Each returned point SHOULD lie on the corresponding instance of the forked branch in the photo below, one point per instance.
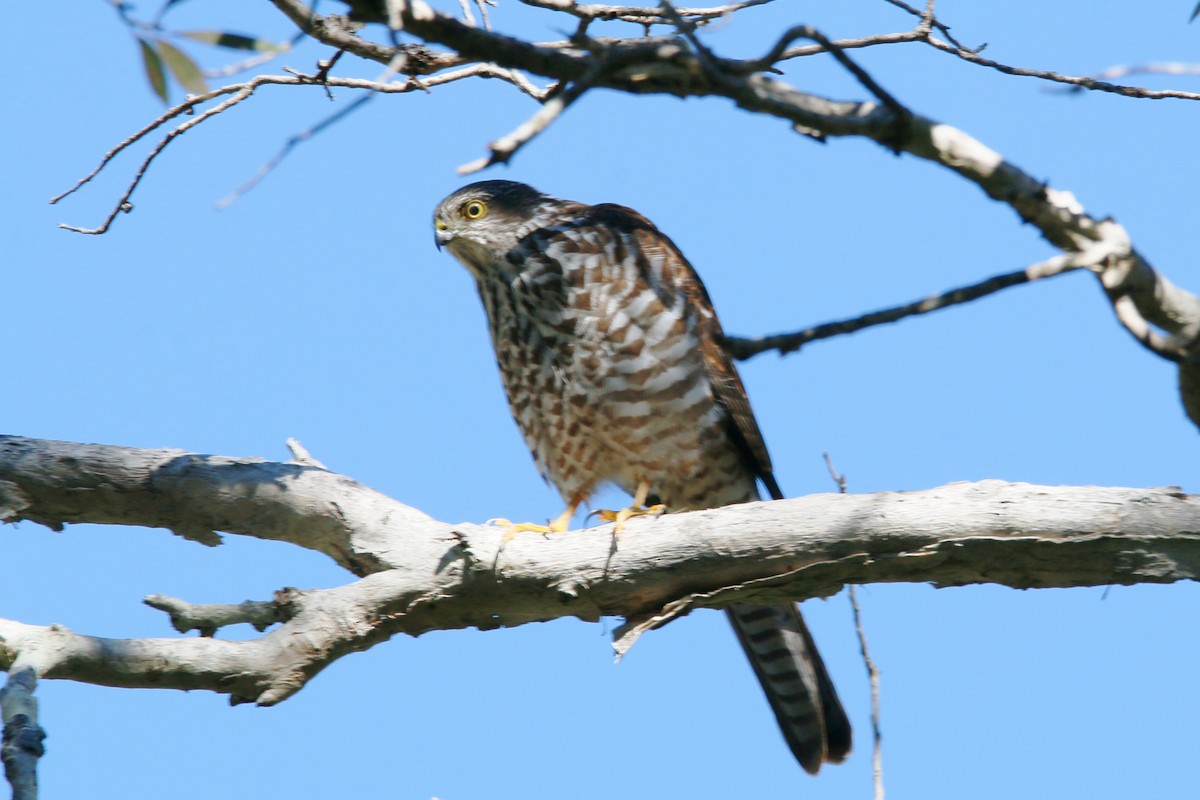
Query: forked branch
(419, 574)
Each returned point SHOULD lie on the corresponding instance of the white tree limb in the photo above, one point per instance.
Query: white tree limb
(420, 574)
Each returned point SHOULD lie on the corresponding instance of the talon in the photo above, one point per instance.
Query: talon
(637, 509)
(626, 514)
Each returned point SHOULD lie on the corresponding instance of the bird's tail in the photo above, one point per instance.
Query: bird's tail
(794, 678)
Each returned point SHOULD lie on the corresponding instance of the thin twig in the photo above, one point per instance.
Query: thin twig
(322, 77)
(1079, 82)
(640, 15)
(929, 22)
(873, 677)
(504, 148)
(256, 60)
(483, 12)
(785, 343)
(184, 107)
(861, 75)
(838, 478)
(290, 144)
(801, 51)
(123, 205)
(515, 77)
(468, 17)
(242, 91)
(868, 662)
(956, 48)
(397, 64)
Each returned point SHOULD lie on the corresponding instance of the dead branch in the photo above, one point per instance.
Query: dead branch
(1077, 82)
(419, 574)
(744, 348)
(873, 680)
(504, 148)
(243, 91)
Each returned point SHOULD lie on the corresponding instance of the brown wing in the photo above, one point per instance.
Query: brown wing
(681, 279)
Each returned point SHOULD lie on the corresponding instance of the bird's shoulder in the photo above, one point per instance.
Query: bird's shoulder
(662, 261)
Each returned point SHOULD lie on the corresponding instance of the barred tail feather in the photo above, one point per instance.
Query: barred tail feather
(795, 680)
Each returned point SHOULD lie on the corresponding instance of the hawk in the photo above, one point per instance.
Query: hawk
(609, 351)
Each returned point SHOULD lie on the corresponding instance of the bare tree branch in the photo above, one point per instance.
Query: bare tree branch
(1097, 83)
(1078, 82)
(873, 680)
(421, 574)
(839, 480)
(929, 22)
(194, 495)
(506, 147)
(743, 348)
(241, 92)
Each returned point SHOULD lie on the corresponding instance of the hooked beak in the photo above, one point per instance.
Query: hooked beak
(441, 236)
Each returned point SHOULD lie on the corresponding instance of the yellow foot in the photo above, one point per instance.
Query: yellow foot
(626, 514)
(637, 509)
(561, 524)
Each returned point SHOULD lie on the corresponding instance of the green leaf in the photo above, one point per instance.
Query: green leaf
(183, 68)
(154, 69)
(234, 41)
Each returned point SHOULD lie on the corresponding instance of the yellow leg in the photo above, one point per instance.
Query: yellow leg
(562, 523)
(637, 509)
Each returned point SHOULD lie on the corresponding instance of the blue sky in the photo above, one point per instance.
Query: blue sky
(317, 307)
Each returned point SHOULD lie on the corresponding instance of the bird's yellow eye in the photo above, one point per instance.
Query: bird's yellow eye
(475, 209)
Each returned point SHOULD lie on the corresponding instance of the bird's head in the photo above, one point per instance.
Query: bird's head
(481, 222)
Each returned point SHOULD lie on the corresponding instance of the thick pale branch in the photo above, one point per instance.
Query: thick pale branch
(195, 495)
(429, 575)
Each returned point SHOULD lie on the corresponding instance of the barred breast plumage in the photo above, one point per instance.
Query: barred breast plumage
(609, 351)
